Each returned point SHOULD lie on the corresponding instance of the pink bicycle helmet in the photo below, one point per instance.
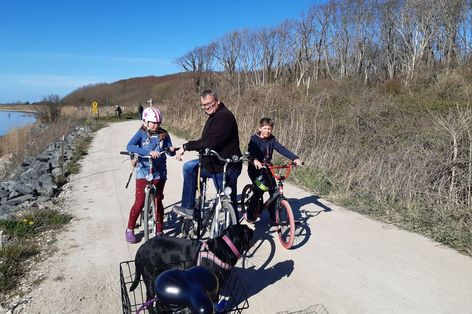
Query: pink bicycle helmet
(152, 114)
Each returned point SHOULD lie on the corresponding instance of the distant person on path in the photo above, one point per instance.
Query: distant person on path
(261, 147)
(118, 111)
(220, 133)
(140, 111)
(150, 139)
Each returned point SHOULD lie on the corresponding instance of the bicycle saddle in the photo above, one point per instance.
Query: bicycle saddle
(195, 288)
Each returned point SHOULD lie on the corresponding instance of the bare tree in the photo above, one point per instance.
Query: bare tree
(250, 57)
(417, 26)
(227, 53)
(451, 16)
(464, 33)
(198, 61)
(389, 40)
(304, 53)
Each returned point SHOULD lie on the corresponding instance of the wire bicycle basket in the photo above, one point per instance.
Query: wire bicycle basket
(232, 295)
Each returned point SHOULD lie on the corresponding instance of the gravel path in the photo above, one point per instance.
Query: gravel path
(343, 263)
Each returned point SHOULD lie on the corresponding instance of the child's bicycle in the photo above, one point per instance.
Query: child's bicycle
(217, 214)
(148, 214)
(283, 211)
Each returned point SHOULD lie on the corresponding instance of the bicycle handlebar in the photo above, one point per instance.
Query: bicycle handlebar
(234, 159)
(290, 164)
(288, 168)
(166, 150)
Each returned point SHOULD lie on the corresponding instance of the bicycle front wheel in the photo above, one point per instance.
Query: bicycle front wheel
(149, 216)
(224, 217)
(286, 223)
(246, 195)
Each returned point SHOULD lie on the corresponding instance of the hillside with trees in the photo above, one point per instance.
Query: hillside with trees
(374, 95)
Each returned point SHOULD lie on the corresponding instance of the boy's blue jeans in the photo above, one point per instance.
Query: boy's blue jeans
(190, 172)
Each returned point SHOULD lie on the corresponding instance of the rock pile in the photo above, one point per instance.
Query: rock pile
(38, 179)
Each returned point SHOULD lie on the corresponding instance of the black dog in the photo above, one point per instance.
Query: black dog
(162, 253)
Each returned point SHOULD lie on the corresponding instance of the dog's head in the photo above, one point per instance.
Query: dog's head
(241, 236)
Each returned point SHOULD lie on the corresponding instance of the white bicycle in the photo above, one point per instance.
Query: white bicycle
(212, 216)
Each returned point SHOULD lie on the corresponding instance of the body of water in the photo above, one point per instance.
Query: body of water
(13, 119)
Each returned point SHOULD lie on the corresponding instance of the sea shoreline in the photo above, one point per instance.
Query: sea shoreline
(20, 118)
(19, 108)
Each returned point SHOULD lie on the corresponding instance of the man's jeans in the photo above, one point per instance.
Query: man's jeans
(190, 172)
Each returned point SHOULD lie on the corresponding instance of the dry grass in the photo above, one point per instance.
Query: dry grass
(14, 141)
(31, 140)
(381, 153)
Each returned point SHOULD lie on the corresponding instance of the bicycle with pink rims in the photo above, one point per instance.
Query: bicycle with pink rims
(284, 218)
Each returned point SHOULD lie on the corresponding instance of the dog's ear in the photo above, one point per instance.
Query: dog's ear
(240, 235)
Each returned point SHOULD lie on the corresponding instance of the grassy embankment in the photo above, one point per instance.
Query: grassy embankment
(32, 231)
(401, 154)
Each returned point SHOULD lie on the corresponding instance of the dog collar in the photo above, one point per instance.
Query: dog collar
(231, 246)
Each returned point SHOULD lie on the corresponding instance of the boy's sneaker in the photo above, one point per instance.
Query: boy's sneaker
(130, 237)
(183, 211)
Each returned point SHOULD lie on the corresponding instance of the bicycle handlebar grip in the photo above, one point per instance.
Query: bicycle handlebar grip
(167, 149)
(124, 153)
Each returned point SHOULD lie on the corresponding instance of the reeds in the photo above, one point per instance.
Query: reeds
(384, 155)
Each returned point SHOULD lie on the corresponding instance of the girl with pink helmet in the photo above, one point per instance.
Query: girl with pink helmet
(149, 140)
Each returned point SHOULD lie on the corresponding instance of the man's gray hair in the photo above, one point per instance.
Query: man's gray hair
(210, 92)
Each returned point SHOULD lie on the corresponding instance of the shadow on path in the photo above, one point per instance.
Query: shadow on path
(255, 280)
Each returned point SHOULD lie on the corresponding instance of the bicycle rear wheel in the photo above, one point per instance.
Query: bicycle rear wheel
(286, 223)
(149, 216)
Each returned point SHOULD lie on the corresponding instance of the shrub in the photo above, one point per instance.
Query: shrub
(49, 109)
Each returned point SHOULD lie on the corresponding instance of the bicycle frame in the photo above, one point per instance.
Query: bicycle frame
(280, 182)
(148, 213)
(283, 212)
(219, 214)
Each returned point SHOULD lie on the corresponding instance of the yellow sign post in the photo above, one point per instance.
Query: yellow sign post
(95, 108)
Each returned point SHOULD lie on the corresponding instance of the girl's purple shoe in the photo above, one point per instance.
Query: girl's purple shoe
(130, 237)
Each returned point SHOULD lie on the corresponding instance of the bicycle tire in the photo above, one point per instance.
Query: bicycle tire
(224, 218)
(286, 223)
(149, 219)
(230, 218)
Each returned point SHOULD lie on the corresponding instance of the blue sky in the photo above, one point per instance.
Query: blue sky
(53, 46)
